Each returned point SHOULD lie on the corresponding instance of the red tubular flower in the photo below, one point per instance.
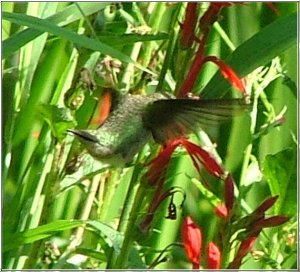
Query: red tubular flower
(227, 72)
(206, 22)
(229, 192)
(213, 256)
(258, 214)
(267, 204)
(188, 25)
(199, 155)
(192, 241)
(243, 250)
(269, 222)
(221, 211)
(159, 164)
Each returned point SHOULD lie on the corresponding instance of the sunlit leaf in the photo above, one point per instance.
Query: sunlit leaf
(270, 42)
(29, 236)
(280, 170)
(112, 237)
(59, 120)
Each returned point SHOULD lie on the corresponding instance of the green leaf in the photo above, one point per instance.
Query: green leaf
(280, 170)
(270, 42)
(110, 235)
(59, 120)
(91, 253)
(134, 259)
(47, 26)
(64, 17)
(127, 39)
(14, 240)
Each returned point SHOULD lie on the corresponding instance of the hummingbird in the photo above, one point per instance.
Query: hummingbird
(160, 116)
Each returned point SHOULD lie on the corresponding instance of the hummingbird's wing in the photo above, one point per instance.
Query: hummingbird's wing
(171, 118)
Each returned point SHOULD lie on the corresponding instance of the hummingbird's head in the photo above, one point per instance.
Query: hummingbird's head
(88, 140)
(94, 146)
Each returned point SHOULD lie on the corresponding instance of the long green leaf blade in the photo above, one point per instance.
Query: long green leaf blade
(62, 18)
(270, 42)
(47, 26)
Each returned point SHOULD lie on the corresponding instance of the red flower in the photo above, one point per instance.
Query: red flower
(221, 211)
(229, 192)
(213, 256)
(268, 222)
(253, 224)
(159, 164)
(199, 155)
(267, 204)
(244, 248)
(192, 241)
(227, 73)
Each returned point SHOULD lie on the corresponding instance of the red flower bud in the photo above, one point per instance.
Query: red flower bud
(192, 241)
(229, 192)
(221, 211)
(213, 256)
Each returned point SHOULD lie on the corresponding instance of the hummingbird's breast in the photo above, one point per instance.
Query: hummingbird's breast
(123, 134)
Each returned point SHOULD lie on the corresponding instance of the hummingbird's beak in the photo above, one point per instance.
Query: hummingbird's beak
(83, 135)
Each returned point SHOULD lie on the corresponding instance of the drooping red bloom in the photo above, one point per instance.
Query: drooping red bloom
(159, 164)
(243, 250)
(198, 155)
(213, 256)
(193, 72)
(201, 156)
(227, 72)
(192, 241)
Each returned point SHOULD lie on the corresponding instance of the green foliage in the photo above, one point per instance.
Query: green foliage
(59, 120)
(268, 43)
(281, 177)
(12, 241)
(55, 194)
